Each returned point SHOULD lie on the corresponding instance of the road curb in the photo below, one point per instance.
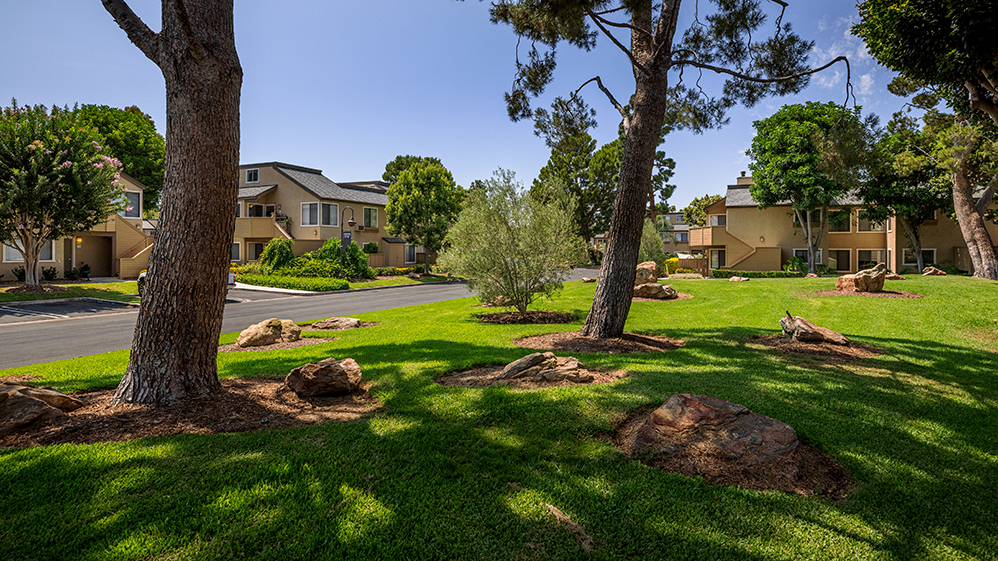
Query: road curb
(73, 299)
(314, 293)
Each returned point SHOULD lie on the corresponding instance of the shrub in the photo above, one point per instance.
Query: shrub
(371, 248)
(18, 273)
(681, 272)
(330, 250)
(355, 263)
(72, 274)
(672, 265)
(296, 283)
(276, 255)
(651, 246)
(311, 268)
(50, 273)
(796, 265)
(757, 274)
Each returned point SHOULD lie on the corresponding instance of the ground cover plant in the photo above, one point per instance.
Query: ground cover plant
(468, 473)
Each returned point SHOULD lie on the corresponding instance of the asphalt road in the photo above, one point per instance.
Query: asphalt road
(36, 332)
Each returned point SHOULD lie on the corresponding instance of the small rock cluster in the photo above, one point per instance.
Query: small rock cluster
(867, 280)
(268, 332)
(545, 367)
(22, 406)
(324, 378)
(714, 427)
(337, 324)
(646, 284)
(931, 271)
(738, 279)
(799, 329)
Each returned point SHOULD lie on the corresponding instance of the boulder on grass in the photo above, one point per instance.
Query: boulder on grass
(811, 276)
(799, 329)
(19, 411)
(931, 271)
(545, 367)
(326, 377)
(50, 396)
(738, 279)
(894, 276)
(655, 291)
(588, 279)
(647, 272)
(268, 332)
(337, 324)
(867, 280)
(707, 425)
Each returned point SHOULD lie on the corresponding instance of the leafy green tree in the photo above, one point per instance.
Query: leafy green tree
(402, 163)
(904, 181)
(651, 245)
(724, 42)
(422, 203)
(695, 213)
(808, 155)
(510, 244)
(55, 179)
(948, 47)
(131, 136)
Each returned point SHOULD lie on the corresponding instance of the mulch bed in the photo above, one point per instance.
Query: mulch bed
(243, 405)
(805, 471)
(531, 317)
(884, 294)
(679, 296)
(573, 342)
(310, 327)
(488, 376)
(303, 342)
(830, 351)
(43, 289)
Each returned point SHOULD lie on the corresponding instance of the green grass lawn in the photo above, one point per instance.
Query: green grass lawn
(120, 291)
(460, 473)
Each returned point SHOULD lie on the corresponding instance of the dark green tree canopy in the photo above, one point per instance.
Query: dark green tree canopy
(695, 213)
(423, 202)
(130, 135)
(947, 44)
(402, 163)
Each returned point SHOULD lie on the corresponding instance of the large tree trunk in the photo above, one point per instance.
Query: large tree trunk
(612, 300)
(176, 337)
(914, 236)
(975, 233)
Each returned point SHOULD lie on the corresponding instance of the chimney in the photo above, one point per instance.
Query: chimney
(743, 174)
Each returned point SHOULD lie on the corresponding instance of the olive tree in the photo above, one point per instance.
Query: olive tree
(510, 245)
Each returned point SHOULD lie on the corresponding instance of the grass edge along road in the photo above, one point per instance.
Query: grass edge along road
(466, 473)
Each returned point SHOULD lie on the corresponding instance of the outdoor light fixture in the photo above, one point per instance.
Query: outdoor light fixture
(79, 240)
(345, 235)
(761, 239)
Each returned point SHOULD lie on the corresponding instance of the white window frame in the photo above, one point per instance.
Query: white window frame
(804, 257)
(837, 269)
(848, 222)
(255, 171)
(239, 209)
(887, 260)
(890, 224)
(316, 222)
(874, 229)
(405, 253)
(364, 217)
(239, 251)
(336, 215)
(679, 236)
(714, 219)
(138, 206)
(16, 257)
(914, 261)
(710, 255)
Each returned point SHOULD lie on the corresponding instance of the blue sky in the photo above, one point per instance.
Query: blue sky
(345, 87)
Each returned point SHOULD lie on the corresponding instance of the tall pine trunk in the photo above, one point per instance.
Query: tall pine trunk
(914, 235)
(975, 233)
(175, 344)
(612, 300)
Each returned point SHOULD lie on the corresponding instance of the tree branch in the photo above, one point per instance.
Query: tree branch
(614, 102)
(137, 31)
(758, 80)
(595, 17)
(627, 51)
(985, 201)
(195, 46)
(979, 102)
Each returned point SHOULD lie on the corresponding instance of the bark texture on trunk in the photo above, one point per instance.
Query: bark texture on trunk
(914, 236)
(975, 233)
(176, 336)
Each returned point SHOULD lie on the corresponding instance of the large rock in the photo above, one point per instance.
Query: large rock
(50, 396)
(929, 271)
(799, 329)
(711, 426)
(655, 291)
(268, 332)
(894, 276)
(738, 279)
(19, 411)
(588, 279)
(867, 280)
(811, 276)
(647, 272)
(545, 367)
(337, 324)
(326, 377)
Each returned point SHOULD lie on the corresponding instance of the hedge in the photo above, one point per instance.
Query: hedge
(295, 283)
(756, 274)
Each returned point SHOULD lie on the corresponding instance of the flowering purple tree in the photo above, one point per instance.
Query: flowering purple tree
(54, 180)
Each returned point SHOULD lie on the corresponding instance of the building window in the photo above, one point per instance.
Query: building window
(239, 209)
(12, 255)
(718, 219)
(716, 258)
(370, 217)
(310, 214)
(802, 253)
(866, 225)
(252, 176)
(234, 254)
(410, 253)
(839, 221)
(841, 257)
(254, 251)
(133, 205)
(815, 219)
(682, 237)
(908, 257)
(330, 214)
(257, 211)
(679, 219)
(870, 257)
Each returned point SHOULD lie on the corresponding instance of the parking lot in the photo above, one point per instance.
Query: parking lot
(42, 310)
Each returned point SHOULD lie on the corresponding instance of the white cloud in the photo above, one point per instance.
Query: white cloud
(865, 84)
(828, 79)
